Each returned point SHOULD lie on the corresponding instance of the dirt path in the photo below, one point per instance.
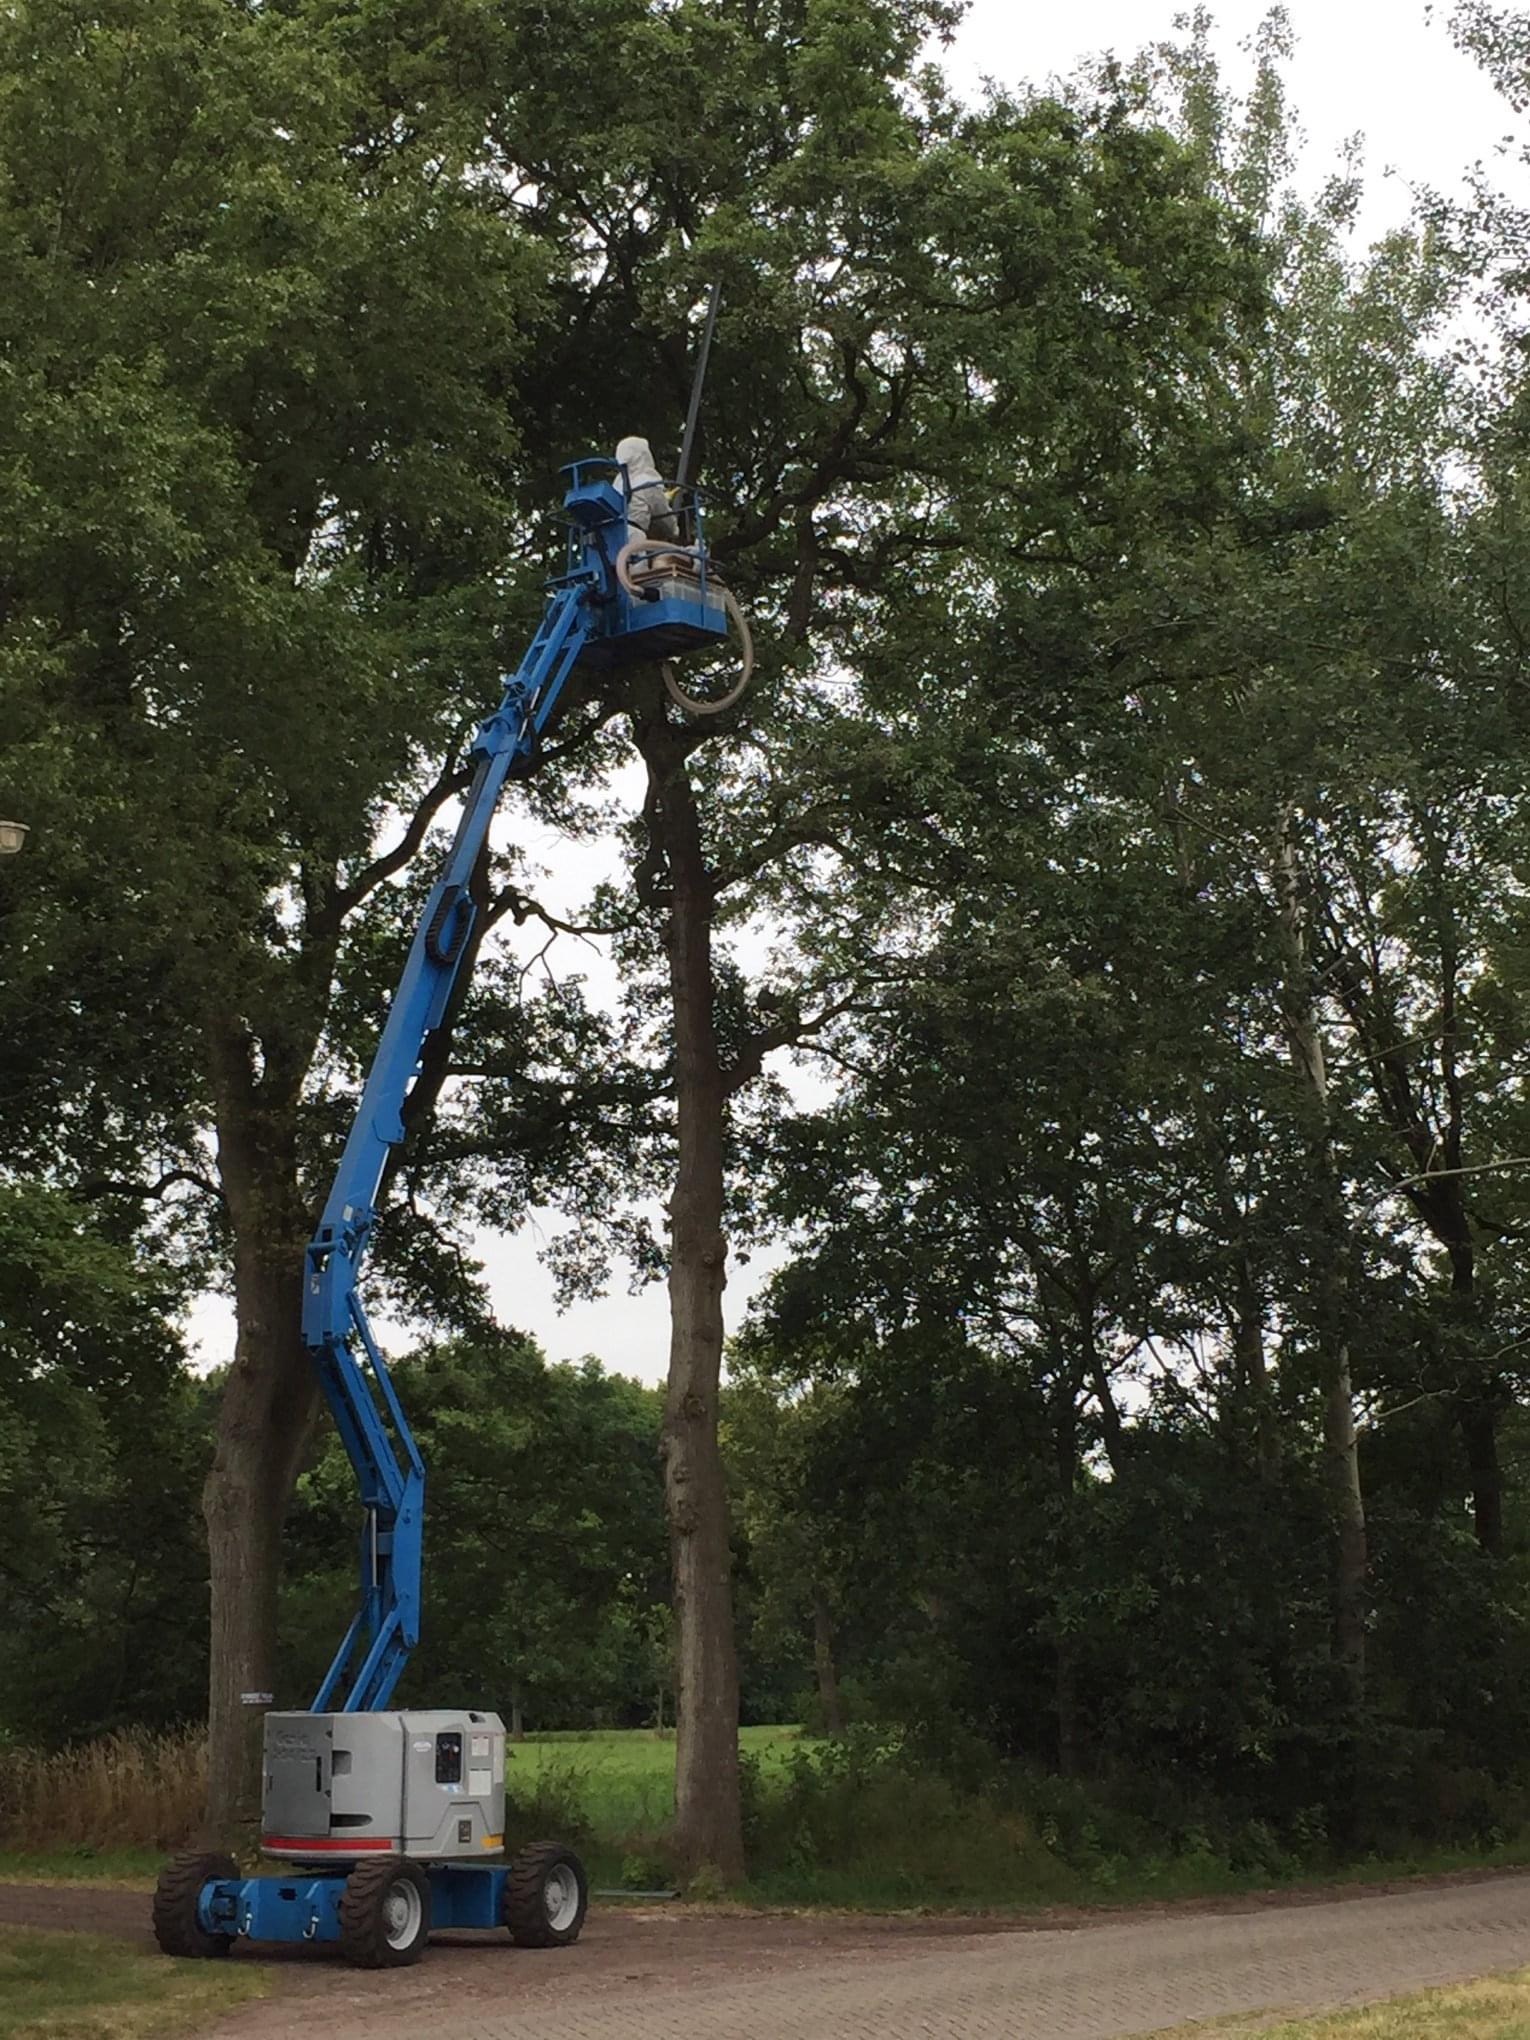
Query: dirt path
(639, 1975)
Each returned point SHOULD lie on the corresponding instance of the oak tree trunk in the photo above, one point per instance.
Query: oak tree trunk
(1070, 1740)
(1481, 1400)
(264, 1416)
(1304, 1037)
(263, 1419)
(1351, 1561)
(1479, 1433)
(708, 1815)
(1253, 1374)
(827, 1672)
(257, 1072)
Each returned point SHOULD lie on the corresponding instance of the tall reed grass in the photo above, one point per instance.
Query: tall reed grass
(134, 1789)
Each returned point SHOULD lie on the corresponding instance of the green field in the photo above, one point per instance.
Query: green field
(623, 1780)
(86, 1987)
(614, 1791)
(829, 1833)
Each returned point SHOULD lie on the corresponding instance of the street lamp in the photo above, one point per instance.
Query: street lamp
(12, 836)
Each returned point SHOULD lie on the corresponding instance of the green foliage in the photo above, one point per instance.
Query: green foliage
(868, 1820)
(545, 1519)
(1153, 1125)
(102, 1450)
(551, 1798)
(251, 324)
(260, 316)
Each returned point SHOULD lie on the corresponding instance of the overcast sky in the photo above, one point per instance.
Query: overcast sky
(1386, 71)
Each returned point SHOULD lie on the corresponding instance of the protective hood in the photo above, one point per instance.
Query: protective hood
(637, 457)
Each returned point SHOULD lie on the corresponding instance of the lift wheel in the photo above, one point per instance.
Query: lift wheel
(177, 1924)
(546, 1896)
(384, 1913)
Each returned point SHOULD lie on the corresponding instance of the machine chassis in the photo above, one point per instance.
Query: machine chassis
(380, 1909)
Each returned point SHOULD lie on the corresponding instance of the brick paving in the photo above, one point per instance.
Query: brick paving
(637, 1976)
(1124, 1976)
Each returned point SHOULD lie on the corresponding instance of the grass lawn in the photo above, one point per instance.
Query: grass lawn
(623, 1780)
(619, 1786)
(1497, 2008)
(85, 1987)
(119, 1869)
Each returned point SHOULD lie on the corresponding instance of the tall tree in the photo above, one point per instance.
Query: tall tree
(949, 336)
(257, 331)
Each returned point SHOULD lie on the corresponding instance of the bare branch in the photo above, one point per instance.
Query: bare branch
(1442, 1175)
(786, 1033)
(112, 1186)
(452, 779)
(522, 908)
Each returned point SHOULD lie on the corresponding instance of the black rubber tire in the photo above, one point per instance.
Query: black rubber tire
(364, 1938)
(524, 1907)
(176, 1926)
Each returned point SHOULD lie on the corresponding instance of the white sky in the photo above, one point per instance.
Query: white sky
(1386, 71)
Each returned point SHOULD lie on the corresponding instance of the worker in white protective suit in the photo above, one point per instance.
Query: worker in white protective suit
(648, 511)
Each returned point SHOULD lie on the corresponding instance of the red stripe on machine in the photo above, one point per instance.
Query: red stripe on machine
(306, 1845)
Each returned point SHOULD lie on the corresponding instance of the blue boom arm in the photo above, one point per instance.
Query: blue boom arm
(590, 619)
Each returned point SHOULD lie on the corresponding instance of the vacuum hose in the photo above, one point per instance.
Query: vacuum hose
(687, 559)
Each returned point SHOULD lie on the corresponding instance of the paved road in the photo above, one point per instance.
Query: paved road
(641, 1976)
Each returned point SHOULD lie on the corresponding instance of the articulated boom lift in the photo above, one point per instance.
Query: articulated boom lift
(393, 1822)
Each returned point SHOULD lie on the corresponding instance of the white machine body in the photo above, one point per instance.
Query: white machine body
(427, 1784)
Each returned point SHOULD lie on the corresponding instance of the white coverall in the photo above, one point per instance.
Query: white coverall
(648, 511)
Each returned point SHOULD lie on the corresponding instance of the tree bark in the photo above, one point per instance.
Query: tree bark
(1429, 1118)
(1304, 1037)
(824, 1667)
(1112, 1430)
(1351, 1561)
(264, 1416)
(1253, 1373)
(1481, 1399)
(708, 1814)
(1070, 1738)
(1479, 1433)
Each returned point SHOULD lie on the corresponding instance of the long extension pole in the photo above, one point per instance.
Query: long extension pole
(688, 444)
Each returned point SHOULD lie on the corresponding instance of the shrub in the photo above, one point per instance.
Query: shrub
(552, 1800)
(649, 1866)
(860, 1820)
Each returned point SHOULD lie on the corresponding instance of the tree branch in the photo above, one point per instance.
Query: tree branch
(786, 1033)
(452, 779)
(112, 1186)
